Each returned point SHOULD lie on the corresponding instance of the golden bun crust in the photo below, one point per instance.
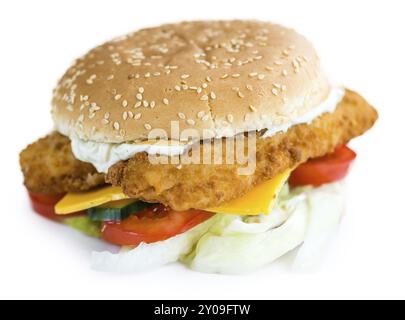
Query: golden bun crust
(223, 76)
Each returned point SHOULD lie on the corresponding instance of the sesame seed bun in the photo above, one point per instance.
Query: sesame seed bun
(226, 76)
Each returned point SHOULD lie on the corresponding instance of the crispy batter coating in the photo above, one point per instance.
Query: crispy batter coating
(203, 186)
(49, 167)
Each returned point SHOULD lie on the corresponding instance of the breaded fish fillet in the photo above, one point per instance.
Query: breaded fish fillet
(49, 167)
(203, 186)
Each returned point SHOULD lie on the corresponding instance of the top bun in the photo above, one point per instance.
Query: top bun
(225, 76)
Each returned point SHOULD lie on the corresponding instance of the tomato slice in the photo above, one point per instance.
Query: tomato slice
(153, 224)
(44, 204)
(327, 169)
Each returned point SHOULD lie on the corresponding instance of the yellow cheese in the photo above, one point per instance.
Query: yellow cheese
(260, 200)
(74, 202)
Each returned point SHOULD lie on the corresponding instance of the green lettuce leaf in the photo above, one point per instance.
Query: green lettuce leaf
(84, 225)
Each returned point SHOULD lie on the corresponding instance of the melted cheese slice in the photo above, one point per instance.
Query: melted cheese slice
(260, 200)
(74, 202)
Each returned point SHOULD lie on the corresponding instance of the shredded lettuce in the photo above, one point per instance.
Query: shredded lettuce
(326, 206)
(148, 256)
(308, 215)
(233, 244)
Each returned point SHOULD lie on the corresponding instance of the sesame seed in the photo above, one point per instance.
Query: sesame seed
(152, 104)
(166, 101)
(285, 73)
(224, 76)
(204, 97)
(274, 91)
(138, 104)
(125, 103)
(213, 96)
(240, 94)
(191, 122)
(209, 79)
(185, 76)
(200, 114)
(110, 77)
(145, 103)
(130, 114)
(261, 76)
(105, 121)
(91, 79)
(138, 116)
(229, 117)
(139, 96)
(177, 88)
(252, 108)
(118, 97)
(116, 125)
(181, 115)
(94, 107)
(236, 75)
(205, 85)
(148, 126)
(141, 90)
(125, 116)
(253, 74)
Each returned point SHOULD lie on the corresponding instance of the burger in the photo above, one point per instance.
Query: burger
(218, 144)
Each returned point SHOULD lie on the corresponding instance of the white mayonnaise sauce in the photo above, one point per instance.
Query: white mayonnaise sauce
(328, 106)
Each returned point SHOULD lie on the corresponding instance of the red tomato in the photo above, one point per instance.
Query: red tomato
(323, 170)
(151, 225)
(44, 205)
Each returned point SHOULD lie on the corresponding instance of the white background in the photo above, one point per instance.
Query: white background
(362, 46)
